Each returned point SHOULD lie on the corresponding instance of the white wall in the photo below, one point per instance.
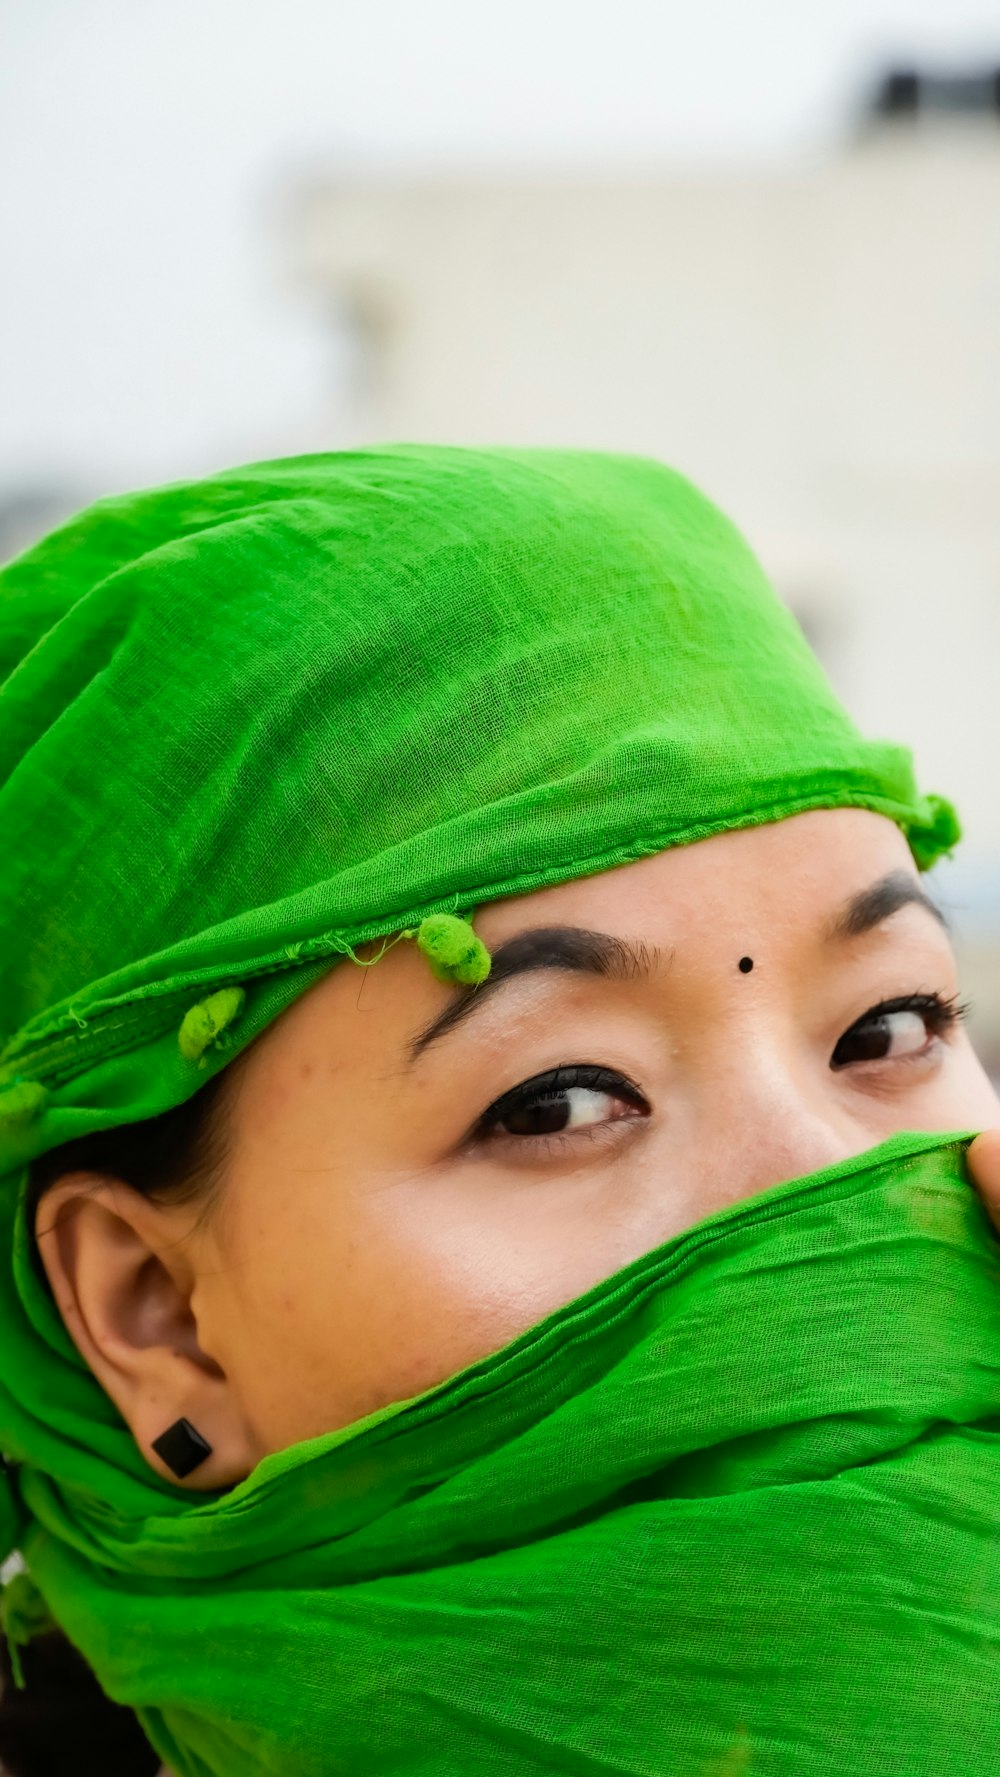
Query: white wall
(820, 349)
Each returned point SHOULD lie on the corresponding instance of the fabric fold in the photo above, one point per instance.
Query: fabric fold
(742, 1494)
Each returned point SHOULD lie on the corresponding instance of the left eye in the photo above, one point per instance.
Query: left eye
(894, 1030)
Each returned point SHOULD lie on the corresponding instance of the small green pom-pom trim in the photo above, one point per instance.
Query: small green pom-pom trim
(204, 1023)
(23, 1615)
(453, 949)
(21, 1102)
(931, 840)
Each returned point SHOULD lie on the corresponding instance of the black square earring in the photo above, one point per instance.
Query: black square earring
(181, 1447)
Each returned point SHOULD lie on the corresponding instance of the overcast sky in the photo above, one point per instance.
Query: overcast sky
(145, 327)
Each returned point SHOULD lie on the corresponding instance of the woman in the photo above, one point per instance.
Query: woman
(475, 1301)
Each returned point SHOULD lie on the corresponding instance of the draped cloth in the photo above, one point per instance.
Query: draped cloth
(736, 1510)
(247, 724)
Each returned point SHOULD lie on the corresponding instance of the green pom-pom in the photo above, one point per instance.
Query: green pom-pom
(21, 1102)
(23, 1615)
(936, 837)
(452, 948)
(204, 1023)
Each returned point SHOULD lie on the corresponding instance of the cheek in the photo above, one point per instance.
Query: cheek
(331, 1302)
(962, 1096)
(309, 1313)
(955, 1095)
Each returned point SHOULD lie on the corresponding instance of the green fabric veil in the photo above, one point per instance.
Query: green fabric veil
(737, 1509)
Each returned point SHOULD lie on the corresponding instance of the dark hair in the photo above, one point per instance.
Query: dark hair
(176, 1156)
(62, 1724)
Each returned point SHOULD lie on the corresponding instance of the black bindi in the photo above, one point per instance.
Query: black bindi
(746, 964)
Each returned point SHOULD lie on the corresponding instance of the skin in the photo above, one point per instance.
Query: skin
(370, 1237)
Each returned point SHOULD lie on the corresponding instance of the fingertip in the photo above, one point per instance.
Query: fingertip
(984, 1166)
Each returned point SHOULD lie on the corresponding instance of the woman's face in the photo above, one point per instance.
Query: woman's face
(419, 1172)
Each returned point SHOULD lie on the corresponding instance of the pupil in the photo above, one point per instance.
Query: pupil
(872, 1041)
(545, 1117)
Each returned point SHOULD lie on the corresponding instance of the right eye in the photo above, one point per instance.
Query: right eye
(560, 1101)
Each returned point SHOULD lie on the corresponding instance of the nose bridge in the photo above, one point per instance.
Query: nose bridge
(768, 1118)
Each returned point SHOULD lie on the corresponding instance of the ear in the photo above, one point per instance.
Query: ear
(124, 1279)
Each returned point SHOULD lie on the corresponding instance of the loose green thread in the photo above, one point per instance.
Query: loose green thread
(456, 953)
(366, 962)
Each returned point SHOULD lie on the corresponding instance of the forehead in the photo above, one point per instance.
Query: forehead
(798, 871)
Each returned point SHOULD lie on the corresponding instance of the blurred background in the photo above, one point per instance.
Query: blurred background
(759, 239)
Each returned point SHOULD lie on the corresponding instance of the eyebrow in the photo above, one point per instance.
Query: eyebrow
(584, 952)
(572, 948)
(864, 911)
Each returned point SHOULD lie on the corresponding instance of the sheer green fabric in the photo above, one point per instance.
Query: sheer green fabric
(245, 725)
(736, 1510)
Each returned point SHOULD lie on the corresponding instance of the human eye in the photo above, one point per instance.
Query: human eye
(561, 1102)
(903, 1029)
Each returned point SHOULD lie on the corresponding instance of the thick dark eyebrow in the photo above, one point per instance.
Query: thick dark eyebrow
(872, 906)
(616, 959)
(545, 947)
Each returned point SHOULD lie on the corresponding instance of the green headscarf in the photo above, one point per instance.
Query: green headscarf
(728, 1513)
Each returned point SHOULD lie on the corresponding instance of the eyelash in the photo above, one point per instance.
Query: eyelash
(549, 1086)
(939, 1013)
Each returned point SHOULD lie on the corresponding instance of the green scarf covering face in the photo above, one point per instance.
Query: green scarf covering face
(735, 1510)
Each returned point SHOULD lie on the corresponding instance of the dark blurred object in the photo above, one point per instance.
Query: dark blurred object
(907, 93)
(62, 1724)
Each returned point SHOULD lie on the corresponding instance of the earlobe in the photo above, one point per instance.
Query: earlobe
(123, 1279)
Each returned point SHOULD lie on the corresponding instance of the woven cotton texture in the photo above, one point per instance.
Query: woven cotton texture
(247, 724)
(737, 1510)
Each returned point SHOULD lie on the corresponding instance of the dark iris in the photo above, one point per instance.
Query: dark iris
(545, 1117)
(541, 1106)
(870, 1039)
